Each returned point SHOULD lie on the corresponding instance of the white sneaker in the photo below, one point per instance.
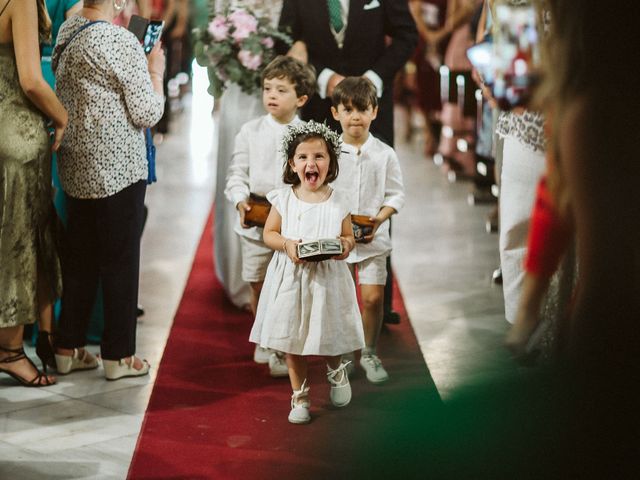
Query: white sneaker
(300, 405)
(374, 369)
(340, 393)
(278, 365)
(261, 355)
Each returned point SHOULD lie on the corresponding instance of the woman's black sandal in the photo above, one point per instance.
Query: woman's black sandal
(19, 355)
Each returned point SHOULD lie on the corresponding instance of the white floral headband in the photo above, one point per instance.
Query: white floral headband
(294, 131)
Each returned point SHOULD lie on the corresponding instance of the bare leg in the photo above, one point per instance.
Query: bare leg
(45, 307)
(333, 362)
(297, 370)
(11, 339)
(256, 288)
(372, 308)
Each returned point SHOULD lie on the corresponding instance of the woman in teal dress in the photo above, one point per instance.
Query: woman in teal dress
(59, 11)
(30, 275)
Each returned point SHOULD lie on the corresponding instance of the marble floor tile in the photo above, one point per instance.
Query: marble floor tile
(107, 460)
(65, 425)
(14, 397)
(130, 400)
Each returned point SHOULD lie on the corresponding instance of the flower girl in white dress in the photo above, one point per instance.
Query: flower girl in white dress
(309, 308)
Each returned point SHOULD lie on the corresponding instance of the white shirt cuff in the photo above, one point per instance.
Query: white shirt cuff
(236, 198)
(323, 80)
(375, 79)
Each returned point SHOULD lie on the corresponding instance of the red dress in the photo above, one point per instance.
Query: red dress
(548, 234)
(434, 14)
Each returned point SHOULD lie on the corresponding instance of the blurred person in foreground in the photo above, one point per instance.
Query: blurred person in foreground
(589, 91)
(577, 417)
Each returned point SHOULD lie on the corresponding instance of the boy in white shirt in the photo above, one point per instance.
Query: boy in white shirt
(256, 168)
(370, 173)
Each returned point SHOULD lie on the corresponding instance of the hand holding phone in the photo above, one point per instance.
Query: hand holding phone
(152, 35)
(156, 60)
(148, 32)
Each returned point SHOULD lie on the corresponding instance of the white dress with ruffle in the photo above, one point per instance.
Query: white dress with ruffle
(310, 308)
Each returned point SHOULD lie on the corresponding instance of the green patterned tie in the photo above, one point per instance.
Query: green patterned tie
(335, 15)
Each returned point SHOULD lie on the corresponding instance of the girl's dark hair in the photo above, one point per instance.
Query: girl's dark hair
(291, 177)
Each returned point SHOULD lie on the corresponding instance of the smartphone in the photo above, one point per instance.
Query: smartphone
(152, 35)
(148, 32)
(138, 26)
(481, 57)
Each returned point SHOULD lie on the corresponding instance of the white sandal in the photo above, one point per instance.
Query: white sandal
(116, 369)
(68, 363)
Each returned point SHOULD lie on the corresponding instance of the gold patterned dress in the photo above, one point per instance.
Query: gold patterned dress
(27, 245)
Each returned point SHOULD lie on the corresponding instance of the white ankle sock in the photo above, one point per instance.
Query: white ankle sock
(369, 351)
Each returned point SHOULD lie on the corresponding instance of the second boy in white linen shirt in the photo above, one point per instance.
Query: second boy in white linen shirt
(370, 174)
(256, 167)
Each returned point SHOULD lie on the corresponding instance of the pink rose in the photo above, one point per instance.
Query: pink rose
(218, 28)
(244, 23)
(267, 42)
(250, 60)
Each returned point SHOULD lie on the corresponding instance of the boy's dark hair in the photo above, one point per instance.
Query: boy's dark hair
(302, 76)
(356, 92)
(290, 177)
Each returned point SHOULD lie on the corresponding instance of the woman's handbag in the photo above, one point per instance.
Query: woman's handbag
(151, 157)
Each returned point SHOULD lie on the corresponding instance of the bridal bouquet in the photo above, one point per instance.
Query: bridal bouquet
(235, 47)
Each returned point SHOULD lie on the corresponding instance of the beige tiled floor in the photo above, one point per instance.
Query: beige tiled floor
(86, 428)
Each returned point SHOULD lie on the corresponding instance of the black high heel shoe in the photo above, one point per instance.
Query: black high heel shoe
(18, 354)
(44, 350)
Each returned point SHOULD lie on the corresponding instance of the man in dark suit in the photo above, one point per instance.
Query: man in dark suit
(374, 38)
(359, 47)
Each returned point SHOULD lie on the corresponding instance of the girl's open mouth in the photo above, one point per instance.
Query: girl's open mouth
(311, 176)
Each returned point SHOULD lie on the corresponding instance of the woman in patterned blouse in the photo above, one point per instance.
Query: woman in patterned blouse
(112, 93)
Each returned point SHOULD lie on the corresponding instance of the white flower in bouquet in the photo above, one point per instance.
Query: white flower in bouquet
(235, 47)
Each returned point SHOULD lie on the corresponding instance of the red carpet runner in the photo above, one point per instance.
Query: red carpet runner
(216, 414)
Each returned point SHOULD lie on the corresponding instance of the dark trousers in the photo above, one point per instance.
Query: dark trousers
(103, 242)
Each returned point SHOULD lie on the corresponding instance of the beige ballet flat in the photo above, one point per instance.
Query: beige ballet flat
(116, 369)
(68, 363)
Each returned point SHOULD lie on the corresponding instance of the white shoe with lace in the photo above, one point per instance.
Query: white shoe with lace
(261, 355)
(278, 365)
(373, 368)
(300, 405)
(340, 393)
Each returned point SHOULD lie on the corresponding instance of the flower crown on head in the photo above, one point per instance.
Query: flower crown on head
(322, 130)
